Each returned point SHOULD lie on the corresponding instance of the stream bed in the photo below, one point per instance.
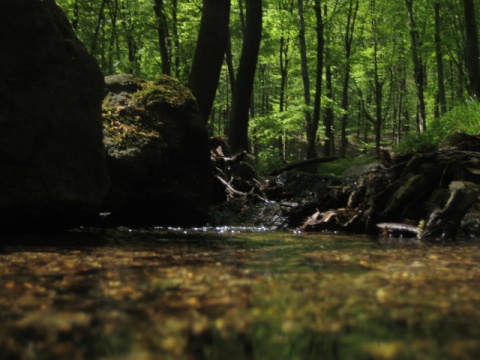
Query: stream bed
(233, 293)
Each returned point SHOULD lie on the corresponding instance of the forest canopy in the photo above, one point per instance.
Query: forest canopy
(332, 77)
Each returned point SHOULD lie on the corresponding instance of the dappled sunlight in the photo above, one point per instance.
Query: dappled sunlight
(210, 293)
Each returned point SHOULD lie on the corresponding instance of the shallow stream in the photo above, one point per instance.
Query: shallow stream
(234, 293)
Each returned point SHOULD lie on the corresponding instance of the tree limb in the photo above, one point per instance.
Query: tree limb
(302, 164)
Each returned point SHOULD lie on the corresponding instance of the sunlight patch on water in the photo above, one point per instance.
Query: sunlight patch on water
(218, 229)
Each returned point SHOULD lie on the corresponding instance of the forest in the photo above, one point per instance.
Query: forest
(341, 78)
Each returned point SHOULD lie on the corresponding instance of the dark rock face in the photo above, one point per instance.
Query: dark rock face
(158, 154)
(52, 159)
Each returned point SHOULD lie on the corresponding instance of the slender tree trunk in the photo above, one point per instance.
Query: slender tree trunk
(175, 50)
(378, 119)
(317, 101)
(113, 46)
(402, 85)
(442, 100)
(163, 37)
(241, 13)
(350, 27)
(311, 133)
(101, 18)
(132, 46)
(418, 67)
(238, 129)
(229, 61)
(284, 61)
(329, 117)
(473, 62)
(209, 53)
(76, 15)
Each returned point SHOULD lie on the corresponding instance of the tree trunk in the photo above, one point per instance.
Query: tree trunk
(473, 52)
(418, 68)
(284, 62)
(238, 129)
(352, 15)
(163, 37)
(101, 18)
(311, 132)
(241, 14)
(378, 121)
(129, 27)
(209, 53)
(317, 101)
(329, 117)
(175, 50)
(113, 50)
(76, 15)
(229, 61)
(442, 100)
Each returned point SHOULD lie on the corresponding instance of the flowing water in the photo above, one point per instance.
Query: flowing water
(236, 294)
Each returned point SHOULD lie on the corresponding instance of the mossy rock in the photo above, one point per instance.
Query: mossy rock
(158, 155)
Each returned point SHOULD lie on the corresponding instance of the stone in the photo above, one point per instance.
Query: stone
(52, 158)
(158, 154)
(356, 171)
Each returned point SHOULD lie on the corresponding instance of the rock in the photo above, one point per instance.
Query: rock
(356, 171)
(52, 159)
(158, 154)
(119, 88)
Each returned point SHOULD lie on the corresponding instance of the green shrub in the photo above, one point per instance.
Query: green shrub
(269, 159)
(464, 117)
(417, 141)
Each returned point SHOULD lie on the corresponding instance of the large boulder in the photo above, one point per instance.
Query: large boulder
(158, 154)
(52, 159)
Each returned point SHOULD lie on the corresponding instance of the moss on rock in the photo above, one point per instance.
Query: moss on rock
(158, 154)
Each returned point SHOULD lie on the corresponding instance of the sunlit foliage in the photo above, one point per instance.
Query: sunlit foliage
(123, 37)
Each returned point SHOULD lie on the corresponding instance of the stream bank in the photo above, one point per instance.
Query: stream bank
(431, 195)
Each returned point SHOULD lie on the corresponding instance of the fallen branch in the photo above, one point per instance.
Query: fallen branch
(400, 227)
(302, 164)
(233, 191)
(229, 187)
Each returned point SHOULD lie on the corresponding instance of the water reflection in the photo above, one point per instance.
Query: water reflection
(237, 293)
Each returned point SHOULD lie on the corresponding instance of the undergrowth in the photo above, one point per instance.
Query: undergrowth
(464, 117)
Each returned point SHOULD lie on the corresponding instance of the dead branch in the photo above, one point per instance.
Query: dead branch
(302, 164)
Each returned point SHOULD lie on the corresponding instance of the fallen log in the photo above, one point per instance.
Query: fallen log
(301, 164)
(389, 228)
